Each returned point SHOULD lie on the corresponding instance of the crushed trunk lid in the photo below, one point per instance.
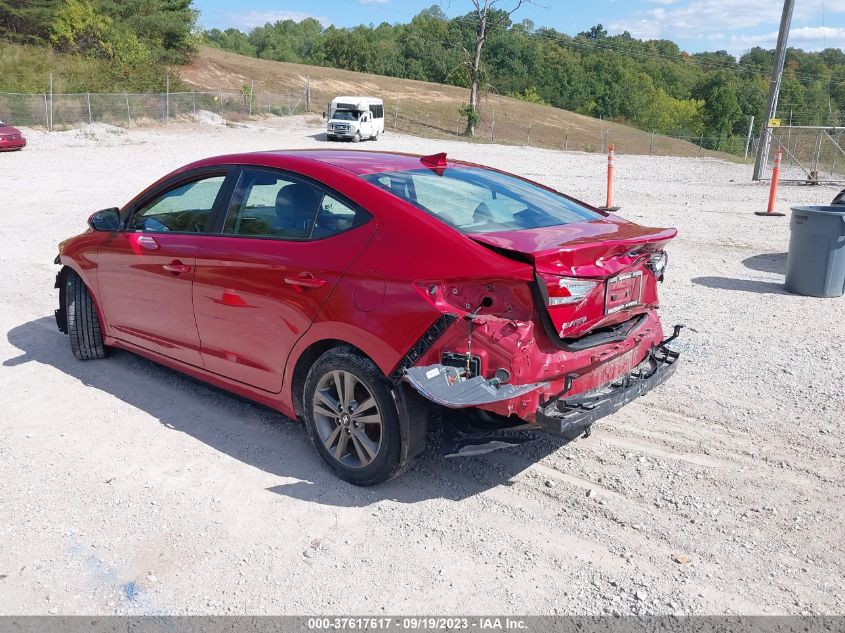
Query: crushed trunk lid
(589, 274)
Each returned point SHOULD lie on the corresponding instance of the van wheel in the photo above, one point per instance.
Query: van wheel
(375, 136)
(352, 417)
(356, 138)
(83, 323)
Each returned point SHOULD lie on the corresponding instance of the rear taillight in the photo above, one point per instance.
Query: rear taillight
(567, 290)
(657, 264)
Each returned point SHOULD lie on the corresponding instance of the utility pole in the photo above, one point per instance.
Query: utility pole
(774, 88)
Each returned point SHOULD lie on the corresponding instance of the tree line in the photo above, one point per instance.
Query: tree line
(94, 44)
(121, 45)
(652, 84)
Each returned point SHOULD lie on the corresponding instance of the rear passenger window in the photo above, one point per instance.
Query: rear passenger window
(185, 209)
(333, 217)
(271, 204)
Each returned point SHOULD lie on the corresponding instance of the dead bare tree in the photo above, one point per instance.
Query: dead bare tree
(487, 17)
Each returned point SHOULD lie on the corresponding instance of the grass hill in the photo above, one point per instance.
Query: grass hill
(430, 109)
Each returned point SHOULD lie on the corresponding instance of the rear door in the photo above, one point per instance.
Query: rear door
(145, 272)
(261, 280)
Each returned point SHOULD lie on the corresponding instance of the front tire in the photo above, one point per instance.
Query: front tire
(356, 138)
(83, 322)
(352, 418)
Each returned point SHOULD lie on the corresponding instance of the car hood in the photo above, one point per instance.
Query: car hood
(581, 248)
(8, 129)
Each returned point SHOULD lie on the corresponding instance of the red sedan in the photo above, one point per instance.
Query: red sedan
(362, 291)
(10, 138)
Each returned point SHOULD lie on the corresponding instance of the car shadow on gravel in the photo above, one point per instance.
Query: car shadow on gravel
(767, 263)
(257, 435)
(743, 285)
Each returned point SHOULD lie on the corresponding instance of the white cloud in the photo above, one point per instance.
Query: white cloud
(728, 20)
(810, 38)
(252, 19)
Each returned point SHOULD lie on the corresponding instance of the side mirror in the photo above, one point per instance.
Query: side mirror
(324, 114)
(105, 220)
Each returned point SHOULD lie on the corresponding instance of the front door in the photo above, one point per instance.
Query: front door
(259, 285)
(145, 272)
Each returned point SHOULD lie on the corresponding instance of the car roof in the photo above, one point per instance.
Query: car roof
(358, 162)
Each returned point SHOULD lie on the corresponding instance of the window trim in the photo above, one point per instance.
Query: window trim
(180, 180)
(220, 221)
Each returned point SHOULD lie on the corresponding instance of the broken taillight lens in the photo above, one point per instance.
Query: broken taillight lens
(567, 290)
(657, 264)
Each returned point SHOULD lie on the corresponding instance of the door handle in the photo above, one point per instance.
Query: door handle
(176, 267)
(305, 280)
(148, 242)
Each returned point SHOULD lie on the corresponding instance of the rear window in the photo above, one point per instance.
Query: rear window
(475, 200)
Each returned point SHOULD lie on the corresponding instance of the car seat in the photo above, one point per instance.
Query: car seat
(295, 206)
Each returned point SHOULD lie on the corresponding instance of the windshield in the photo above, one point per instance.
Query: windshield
(476, 200)
(345, 115)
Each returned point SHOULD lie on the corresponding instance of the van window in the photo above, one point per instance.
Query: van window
(378, 111)
(345, 115)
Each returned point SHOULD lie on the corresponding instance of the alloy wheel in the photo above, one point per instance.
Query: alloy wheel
(347, 419)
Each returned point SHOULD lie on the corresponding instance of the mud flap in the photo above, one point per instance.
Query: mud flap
(61, 313)
(447, 387)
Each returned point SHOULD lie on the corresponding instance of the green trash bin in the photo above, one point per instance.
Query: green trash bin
(815, 265)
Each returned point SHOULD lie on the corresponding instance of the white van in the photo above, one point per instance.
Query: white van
(355, 118)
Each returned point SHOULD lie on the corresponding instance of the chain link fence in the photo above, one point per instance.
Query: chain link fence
(59, 111)
(809, 154)
(500, 121)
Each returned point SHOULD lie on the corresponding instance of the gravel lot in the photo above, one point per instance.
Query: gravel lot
(127, 488)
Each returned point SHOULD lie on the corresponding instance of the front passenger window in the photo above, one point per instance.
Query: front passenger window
(185, 209)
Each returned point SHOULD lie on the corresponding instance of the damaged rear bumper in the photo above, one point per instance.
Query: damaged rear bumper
(445, 386)
(559, 413)
(571, 417)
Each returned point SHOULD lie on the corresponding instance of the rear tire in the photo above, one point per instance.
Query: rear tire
(352, 418)
(83, 322)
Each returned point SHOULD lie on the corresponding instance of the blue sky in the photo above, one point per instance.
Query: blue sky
(696, 25)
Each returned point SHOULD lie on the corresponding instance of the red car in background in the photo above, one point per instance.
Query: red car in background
(362, 291)
(10, 138)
